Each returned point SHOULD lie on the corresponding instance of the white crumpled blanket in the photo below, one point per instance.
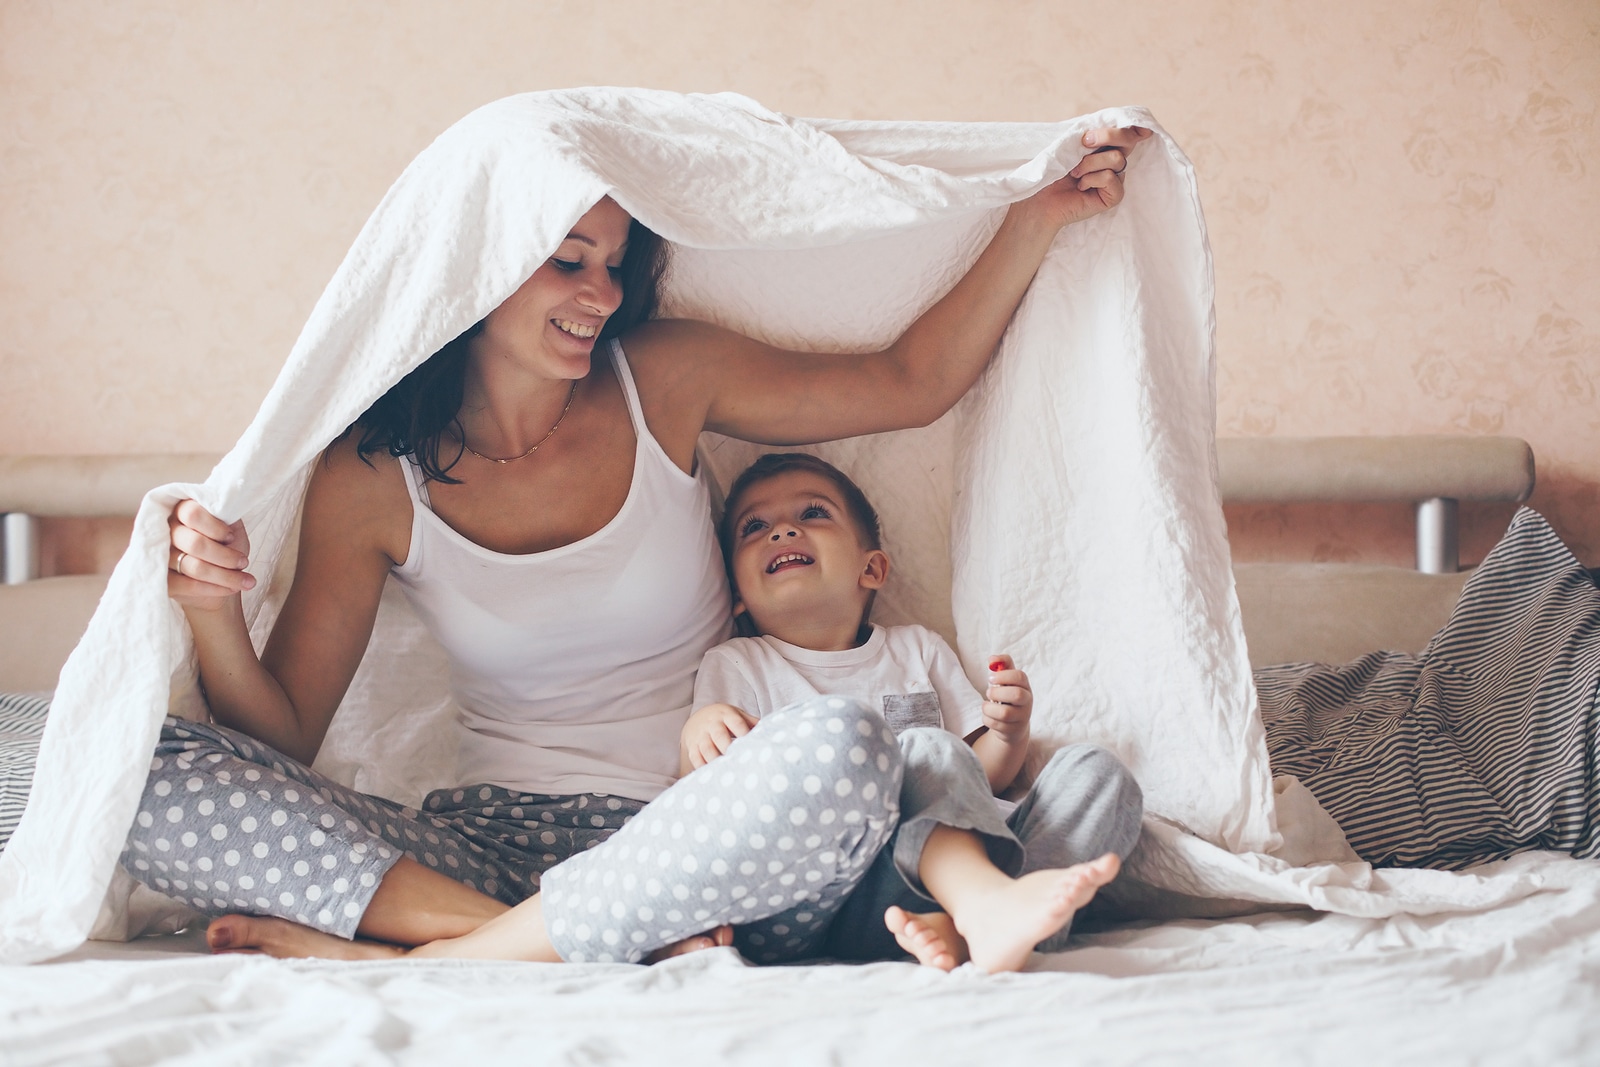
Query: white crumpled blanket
(1066, 511)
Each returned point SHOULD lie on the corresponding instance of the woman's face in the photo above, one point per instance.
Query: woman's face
(550, 323)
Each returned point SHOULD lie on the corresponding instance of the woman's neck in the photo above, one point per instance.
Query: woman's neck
(505, 409)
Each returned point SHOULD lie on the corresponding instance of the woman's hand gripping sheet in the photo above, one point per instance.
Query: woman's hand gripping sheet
(208, 557)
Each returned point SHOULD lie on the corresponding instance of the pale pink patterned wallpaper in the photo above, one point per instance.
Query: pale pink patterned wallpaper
(1407, 236)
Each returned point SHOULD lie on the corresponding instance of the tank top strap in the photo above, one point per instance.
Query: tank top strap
(417, 489)
(416, 485)
(630, 391)
(648, 445)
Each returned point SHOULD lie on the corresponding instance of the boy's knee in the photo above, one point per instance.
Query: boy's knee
(921, 742)
(1095, 770)
(1090, 763)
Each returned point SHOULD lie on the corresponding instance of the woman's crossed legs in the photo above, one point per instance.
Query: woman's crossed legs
(772, 842)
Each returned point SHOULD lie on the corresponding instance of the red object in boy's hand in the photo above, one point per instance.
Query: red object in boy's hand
(998, 665)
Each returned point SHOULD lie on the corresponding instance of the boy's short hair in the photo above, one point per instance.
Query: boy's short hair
(862, 516)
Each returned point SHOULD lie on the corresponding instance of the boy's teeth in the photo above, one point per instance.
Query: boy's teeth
(792, 557)
(576, 329)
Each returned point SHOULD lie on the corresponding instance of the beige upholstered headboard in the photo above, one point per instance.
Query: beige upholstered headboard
(1333, 612)
(41, 619)
(1293, 611)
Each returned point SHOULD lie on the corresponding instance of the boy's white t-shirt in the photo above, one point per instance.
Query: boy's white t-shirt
(907, 673)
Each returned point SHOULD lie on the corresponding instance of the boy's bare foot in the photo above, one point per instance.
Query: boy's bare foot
(287, 940)
(1002, 925)
(931, 937)
(721, 937)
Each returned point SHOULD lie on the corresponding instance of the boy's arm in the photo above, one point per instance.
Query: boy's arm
(994, 722)
(726, 705)
(709, 733)
(1002, 744)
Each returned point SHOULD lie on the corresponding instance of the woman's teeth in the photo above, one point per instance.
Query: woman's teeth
(576, 329)
(788, 557)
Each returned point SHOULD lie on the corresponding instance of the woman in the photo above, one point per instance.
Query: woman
(544, 516)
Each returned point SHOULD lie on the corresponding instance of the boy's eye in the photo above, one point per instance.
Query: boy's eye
(752, 526)
(814, 511)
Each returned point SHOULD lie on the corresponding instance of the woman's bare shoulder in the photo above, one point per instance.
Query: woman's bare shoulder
(363, 497)
(681, 361)
(674, 341)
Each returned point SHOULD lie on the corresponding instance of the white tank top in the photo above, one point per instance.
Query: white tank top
(574, 668)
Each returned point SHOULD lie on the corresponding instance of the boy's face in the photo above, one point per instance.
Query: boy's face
(796, 556)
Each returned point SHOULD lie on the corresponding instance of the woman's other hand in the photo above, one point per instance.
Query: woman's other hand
(208, 557)
(1095, 184)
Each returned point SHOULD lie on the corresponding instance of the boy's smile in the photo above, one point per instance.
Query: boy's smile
(799, 568)
(789, 559)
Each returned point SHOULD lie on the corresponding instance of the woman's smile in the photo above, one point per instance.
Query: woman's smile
(579, 330)
(573, 293)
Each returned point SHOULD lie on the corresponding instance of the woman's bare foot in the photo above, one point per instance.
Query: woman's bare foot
(931, 937)
(287, 940)
(1001, 931)
(721, 937)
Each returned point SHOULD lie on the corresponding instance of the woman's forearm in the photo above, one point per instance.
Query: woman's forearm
(241, 693)
(944, 351)
(287, 696)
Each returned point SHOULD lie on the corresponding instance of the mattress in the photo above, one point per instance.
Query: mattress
(1517, 984)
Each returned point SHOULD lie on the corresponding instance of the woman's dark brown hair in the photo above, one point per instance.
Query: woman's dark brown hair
(411, 418)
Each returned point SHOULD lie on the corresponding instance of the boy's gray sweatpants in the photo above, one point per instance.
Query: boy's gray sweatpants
(1083, 804)
(772, 837)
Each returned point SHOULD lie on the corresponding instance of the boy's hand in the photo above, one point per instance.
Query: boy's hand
(709, 733)
(1008, 702)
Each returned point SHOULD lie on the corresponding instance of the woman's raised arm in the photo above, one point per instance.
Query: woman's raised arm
(352, 524)
(750, 390)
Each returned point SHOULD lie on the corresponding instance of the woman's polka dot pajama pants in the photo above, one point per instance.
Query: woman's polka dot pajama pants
(228, 824)
(770, 838)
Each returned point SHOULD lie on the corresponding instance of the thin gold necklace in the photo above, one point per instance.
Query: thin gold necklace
(570, 394)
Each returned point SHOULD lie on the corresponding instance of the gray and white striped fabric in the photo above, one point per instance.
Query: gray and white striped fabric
(22, 718)
(1481, 746)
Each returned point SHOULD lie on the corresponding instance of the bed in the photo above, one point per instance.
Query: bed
(1515, 983)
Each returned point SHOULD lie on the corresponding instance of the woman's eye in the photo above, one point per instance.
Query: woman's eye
(568, 265)
(752, 526)
(616, 272)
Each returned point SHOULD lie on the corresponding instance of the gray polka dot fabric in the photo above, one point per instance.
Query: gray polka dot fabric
(770, 838)
(228, 824)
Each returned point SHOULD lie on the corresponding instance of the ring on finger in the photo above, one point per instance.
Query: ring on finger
(177, 564)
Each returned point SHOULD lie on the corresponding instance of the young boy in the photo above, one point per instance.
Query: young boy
(805, 558)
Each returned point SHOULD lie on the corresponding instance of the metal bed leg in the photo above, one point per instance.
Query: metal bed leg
(21, 540)
(1438, 536)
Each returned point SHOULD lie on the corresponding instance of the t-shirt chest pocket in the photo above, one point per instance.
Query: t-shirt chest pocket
(906, 710)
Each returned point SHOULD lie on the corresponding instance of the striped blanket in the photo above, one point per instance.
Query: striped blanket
(1481, 746)
(22, 718)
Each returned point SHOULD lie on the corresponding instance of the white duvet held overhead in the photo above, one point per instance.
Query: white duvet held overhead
(1069, 502)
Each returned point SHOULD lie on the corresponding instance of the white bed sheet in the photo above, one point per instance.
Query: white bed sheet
(1515, 984)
